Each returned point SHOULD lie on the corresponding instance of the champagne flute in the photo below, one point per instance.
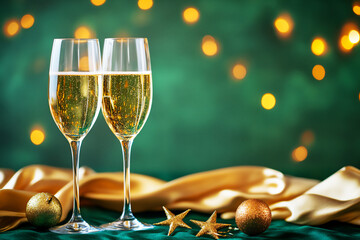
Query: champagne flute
(74, 100)
(126, 103)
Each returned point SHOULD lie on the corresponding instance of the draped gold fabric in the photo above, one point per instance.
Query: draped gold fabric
(297, 200)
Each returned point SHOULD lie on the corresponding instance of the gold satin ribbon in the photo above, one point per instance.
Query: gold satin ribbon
(297, 200)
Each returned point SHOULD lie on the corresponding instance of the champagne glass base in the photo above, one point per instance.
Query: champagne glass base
(126, 225)
(75, 228)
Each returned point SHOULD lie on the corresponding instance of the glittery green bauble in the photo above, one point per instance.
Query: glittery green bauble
(43, 210)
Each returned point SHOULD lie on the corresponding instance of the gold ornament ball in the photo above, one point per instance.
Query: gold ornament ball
(43, 210)
(253, 217)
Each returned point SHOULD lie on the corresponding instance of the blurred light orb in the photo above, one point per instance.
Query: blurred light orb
(349, 37)
(37, 136)
(39, 65)
(145, 4)
(122, 34)
(84, 64)
(97, 2)
(356, 8)
(11, 28)
(307, 137)
(345, 43)
(299, 154)
(268, 101)
(319, 46)
(83, 32)
(239, 71)
(191, 15)
(354, 36)
(209, 46)
(284, 25)
(27, 21)
(318, 72)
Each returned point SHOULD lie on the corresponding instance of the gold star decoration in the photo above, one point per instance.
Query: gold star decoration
(174, 221)
(210, 227)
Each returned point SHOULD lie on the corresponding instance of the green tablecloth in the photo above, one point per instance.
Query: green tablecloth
(278, 229)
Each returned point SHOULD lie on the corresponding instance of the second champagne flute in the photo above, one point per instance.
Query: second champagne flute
(126, 103)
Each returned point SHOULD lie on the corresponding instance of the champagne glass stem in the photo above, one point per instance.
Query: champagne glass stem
(126, 149)
(75, 150)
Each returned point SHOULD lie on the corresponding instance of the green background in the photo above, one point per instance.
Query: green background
(201, 119)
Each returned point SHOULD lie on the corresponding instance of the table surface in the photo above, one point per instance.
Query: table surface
(278, 229)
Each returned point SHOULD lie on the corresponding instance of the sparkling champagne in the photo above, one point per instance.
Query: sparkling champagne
(126, 102)
(74, 104)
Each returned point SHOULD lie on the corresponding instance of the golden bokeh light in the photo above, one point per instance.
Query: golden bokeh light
(39, 65)
(318, 72)
(238, 71)
(209, 46)
(83, 32)
(356, 8)
(307, 137)
(299, 154)
(11, 28)
(349, 37)
(37, 136)
(122, 34)
(354, 36)
(191, 15)
(27, 21)
(145, 4)
(319, 46)
(84, 63)
(284, 25)
(268, 101)
(97, 2)
(346, 45)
